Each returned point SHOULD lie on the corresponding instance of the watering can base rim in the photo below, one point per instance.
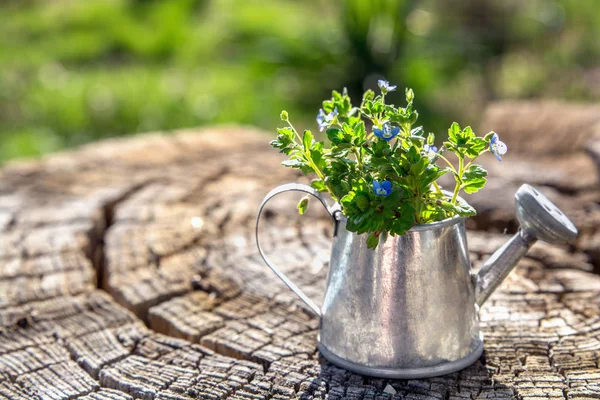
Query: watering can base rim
(405, 373)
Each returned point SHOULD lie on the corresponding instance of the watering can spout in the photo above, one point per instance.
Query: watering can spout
(541, 220)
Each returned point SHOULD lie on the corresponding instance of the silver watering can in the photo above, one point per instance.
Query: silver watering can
(410, 308)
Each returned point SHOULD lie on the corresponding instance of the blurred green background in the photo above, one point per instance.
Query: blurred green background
(73, 71)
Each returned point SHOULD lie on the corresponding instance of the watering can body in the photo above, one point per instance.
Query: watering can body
(410, 307)
(405, 309)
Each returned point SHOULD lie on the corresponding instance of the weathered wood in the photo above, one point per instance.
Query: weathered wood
(163, 225)
(547, 127)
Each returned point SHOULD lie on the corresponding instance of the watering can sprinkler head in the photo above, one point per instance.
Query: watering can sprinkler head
(539, 219)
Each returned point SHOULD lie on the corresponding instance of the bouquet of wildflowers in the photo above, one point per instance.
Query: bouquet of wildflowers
(381, 168)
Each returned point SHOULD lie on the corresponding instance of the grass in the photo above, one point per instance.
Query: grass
(76, 71)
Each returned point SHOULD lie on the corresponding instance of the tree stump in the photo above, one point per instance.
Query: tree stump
(128, 271)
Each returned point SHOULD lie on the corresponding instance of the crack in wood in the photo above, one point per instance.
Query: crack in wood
(244, 335)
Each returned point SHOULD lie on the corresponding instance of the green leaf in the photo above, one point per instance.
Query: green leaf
(287, 132)
(372, 241)
(413, 117)
(419, 167)
(368, 96)
(391, 201)
(450, 146)
(339, 152)
(316, 153)
(431, 174)
(367, 107)
(285, 140)
(432, 214)
(341, 101)
(348, 130)
(362, 202)
(430, 139)
(303, 205)
(319, 185)
(488, 137)
(283, 146)
(462, 208)
(335, 135)
(328, 106)
(362, 222)
(345, 186)
(348, 199)
(378, 106)
(307, 140)
(405, 220)
(475, 171)
(412, 155)
(474, 179)
(465, 209)
(474, 185)
(468, 133)
(410, 95)
(453, 132)
(379, 147)
(293, 163)
(360, 134)
(418, 131)
(475, 147)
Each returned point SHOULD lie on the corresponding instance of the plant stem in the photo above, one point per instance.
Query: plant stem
(458, 179)
(471, 162)
(312, 163)
(406, 128)
(318, 172)
(295, 131)
(321, 176)
(437, 188)
(381, 114)
(307, 154)
(358, 157)
(418, 209)
(455, 194)
(447, 162)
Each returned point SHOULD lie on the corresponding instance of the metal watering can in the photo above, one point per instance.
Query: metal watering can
(409, 308)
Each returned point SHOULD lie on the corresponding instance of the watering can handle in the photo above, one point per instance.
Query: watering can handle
(292, 187)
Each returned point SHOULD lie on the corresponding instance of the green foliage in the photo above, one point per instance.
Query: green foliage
(384, 177)
(76, 71)
(303, 205)
(96, 68)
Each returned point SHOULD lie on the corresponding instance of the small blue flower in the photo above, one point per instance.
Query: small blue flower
(430, 151)
(385, 86)
(325, 120)
(497, 147)
(387, 132)
(382, 188)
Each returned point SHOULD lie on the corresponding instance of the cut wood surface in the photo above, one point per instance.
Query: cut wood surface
(128, 270)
